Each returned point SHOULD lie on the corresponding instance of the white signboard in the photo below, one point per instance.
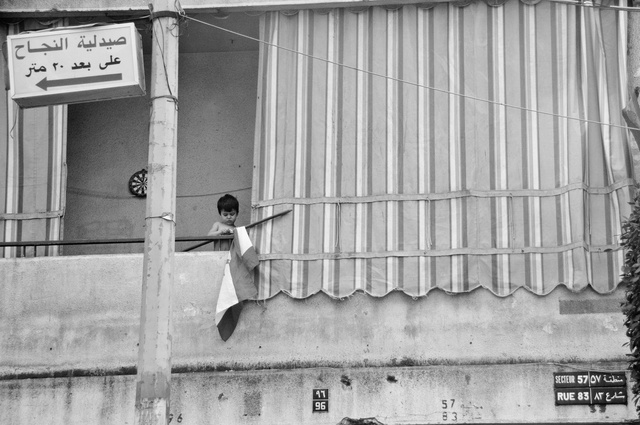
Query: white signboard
(75, 64)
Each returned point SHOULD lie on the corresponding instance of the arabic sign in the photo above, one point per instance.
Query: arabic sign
(75, 64)
(604, 395)
(589, 379)
(590, 388)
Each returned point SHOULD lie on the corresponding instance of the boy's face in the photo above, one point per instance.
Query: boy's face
(229, 217)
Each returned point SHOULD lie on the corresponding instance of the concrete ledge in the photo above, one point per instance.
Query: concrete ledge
(479, 394)
(80, 316)
(46, 8)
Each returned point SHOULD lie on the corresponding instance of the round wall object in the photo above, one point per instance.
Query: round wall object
(138, 183)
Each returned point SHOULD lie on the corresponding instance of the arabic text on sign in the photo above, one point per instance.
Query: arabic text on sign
(63, 44)
(589, 379)
(35, 49)
(593, 395)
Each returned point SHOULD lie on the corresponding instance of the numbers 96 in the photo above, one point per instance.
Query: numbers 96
(320, 406)
(320, 400)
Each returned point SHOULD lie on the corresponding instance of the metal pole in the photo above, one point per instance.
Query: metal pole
(154, 352)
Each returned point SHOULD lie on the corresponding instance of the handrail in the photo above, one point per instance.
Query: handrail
(25, 244)
(203, 239)
(108, 241)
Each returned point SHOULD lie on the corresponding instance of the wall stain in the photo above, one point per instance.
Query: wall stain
(346, 381)
(362, 421)
(253, 403)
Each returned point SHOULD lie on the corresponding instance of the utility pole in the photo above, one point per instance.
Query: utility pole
(154, 351)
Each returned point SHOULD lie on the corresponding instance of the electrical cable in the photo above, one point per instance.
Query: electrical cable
(399, 80)
(170, 96)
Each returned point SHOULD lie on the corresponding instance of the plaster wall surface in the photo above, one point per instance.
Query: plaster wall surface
(82, 313)
(69, 334)
(479, 394)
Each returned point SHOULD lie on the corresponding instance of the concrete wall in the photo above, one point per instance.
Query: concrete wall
(46, 7)
(108, 141)
(69, 333)
(505, 394)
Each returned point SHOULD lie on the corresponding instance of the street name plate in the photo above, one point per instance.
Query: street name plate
(596, 395)
(590, 388)
(75, 64)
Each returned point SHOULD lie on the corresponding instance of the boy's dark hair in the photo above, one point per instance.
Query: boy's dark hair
(228, 203)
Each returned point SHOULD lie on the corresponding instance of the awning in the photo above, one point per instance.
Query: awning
(444, 147)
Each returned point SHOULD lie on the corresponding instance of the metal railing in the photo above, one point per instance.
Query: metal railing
(220, 243)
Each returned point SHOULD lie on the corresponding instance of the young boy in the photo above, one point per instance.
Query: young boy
(228, 208)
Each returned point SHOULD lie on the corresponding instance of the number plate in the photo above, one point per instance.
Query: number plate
(320, 400)
(320, 406)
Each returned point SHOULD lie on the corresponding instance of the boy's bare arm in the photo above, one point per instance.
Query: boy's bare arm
(219, 229)
(215, 230)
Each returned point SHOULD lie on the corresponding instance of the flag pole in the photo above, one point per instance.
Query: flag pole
(271, 217)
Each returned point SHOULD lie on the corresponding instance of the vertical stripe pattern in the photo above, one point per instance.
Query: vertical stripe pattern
(32, 170)
(394, 138)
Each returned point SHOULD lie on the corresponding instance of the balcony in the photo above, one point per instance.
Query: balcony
(69, 335)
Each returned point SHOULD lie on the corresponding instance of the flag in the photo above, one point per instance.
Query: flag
(237, 282)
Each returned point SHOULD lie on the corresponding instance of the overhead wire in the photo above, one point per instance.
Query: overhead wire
(591, 4)
(170, 96)
(436, 89)
(582, 3)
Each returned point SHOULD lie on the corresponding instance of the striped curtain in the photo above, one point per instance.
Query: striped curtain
(32, 170)
(441, 147)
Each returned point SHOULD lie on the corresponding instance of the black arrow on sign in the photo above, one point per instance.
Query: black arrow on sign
(44, 84)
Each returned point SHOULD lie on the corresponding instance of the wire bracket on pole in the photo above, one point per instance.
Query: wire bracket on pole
(169, 97)
(165, 216)
(163, 14)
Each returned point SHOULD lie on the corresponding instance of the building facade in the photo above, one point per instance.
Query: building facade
(457, 173)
